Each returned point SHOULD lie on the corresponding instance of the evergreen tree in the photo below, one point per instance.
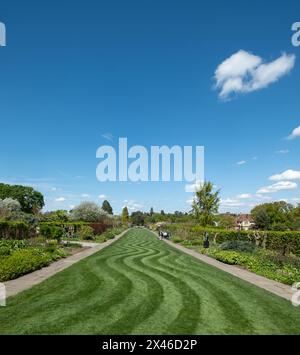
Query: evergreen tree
(107, 207)
(125, 215)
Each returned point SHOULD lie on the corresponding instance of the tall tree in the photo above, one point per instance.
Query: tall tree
(273, 215)
(31, 201)
(107, 207)
(137, 218)
(151, 211)
(88, 212)
(125, 215)
(206, 203)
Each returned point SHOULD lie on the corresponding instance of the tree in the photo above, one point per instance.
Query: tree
(10, 204)
(31, 201)
(9, 207)
(125, 215)
(162, 212)
(226, 221)
(261, 219)
(137, 218)
(54, 216)
(206, 203)
(88, 212)
(151, 211)
(273, 215)
(107, 207)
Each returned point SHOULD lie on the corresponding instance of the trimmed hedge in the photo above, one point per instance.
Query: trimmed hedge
(52, 232)
(23, 261)
(14, 230)
(72, 229)
(58, 230)
(284, 242)
(98, 228)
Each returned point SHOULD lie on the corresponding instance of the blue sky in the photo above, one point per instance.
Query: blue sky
(73, 72)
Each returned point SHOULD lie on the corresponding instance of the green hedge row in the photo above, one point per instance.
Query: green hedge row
(285, 242)
(23, 261)
(59, 230)
(261, 263)
(14, 230)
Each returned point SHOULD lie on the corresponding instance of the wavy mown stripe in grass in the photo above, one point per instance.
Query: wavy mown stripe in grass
(140, 285)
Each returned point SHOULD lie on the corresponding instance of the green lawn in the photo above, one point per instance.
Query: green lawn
(139, 285)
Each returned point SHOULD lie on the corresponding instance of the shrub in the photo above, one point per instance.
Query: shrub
(86, 233)
(72, 245)
(21, 262)
(230, 257)
(98, 228)
(197, 242)
(14, 230)
(70, 229)
(111, 233)
(51, 245)
(276, 267)
(88, 212)
(284, 242)
(177, 240)
(52, 232)
(7, 246)
(238, 245)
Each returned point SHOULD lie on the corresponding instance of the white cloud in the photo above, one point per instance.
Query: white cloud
(102, 196)
(244, 196)
(192, 187)
(241, 162)
(230, 202)
(85, 195)
(282, 151)
(262, 197)
(132, 205)
(60, 199)
(286, 175)
(278, 186)
(295, 133)
(244, 72)
(295, 199)
(107, 136)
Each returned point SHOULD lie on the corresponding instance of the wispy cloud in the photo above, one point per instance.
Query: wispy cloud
(107, 136)
(278, 186)
(241, 162)
(244, 196)
(132, 205)
(244, 72)
(230, 202)
(102, 196)
(282, 151)
(84, 195)
(60, 199)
